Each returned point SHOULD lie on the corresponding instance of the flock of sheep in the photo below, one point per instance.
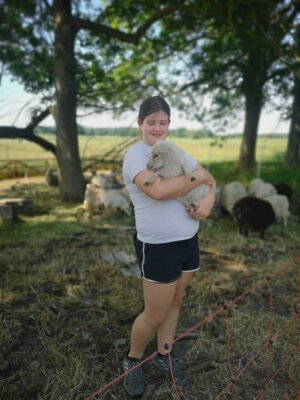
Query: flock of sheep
(258, 206)
(253, 208)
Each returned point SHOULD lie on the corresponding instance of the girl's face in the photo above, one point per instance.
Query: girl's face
(155, 127)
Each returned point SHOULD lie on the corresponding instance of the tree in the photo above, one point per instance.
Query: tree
(235, 59)
(46, 53)
(292, 158)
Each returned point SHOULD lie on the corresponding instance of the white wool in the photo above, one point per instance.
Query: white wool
(92, 198)
(95, 198)
(280, 204)
(254, 185)
(107, 181)
(261, 189)
(168, 160)
(115, 199)
(232, 192)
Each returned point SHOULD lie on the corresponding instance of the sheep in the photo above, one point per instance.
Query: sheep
(285, 189)
(92, 198)
(115, 199)
(95, 198)
(232, 192)
(261, 189)
(280, 204)
(253, 213)
(107, 181)
(167, 160)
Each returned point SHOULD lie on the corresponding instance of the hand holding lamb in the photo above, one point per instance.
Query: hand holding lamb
(167, 160)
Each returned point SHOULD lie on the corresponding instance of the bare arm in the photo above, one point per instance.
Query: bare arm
(163, 189)
(205, 204)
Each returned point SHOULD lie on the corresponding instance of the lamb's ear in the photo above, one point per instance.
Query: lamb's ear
(162, 146)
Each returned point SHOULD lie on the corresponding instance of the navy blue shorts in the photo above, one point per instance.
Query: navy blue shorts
(166, 262)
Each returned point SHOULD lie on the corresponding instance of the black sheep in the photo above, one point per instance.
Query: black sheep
(285, 189)
(253, 213)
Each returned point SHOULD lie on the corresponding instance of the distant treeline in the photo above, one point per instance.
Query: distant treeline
(85, 131)
(176, 132)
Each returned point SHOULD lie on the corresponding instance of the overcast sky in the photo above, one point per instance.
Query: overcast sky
(12, 112)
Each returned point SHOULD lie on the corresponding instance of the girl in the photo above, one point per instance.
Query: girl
(166, 244)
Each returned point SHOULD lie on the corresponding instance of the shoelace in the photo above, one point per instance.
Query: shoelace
(175, 366)
(137, 372)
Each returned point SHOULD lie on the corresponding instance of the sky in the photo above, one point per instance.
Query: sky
(15, 102)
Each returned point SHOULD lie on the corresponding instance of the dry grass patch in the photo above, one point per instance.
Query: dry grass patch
(66, 313)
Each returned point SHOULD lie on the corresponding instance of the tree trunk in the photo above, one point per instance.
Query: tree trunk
(71, 178)
(292, 157)
(247, 151)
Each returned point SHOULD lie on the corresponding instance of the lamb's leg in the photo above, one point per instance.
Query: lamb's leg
(194, 206)
(187, 171)
(151, 179)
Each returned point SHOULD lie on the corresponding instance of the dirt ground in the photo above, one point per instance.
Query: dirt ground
(66, 311)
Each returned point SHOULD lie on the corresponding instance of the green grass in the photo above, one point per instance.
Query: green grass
(203, 150)
(218, 155)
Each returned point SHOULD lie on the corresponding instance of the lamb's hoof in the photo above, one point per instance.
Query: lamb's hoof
(193, 178)
(194, 207)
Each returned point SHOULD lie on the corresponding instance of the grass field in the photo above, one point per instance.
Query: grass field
(219, 155)
(204, 150)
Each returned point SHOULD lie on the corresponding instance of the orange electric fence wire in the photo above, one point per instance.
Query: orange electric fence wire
(267, 346)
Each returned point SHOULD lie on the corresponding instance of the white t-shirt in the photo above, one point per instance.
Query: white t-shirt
(157, 221)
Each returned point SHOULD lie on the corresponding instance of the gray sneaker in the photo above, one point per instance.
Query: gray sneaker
(134, 381)
(163, 364)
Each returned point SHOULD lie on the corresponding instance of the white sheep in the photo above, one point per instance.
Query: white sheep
(115, 199)
(107, 181)
(261, 189)
(280, 204)
(92, 198)
(111, 199)
(232, 192)
(168, 160)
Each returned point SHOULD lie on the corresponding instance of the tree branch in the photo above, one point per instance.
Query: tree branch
(27, 133)
(12, 132)
(123, 36)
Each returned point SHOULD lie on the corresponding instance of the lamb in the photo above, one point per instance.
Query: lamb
(167, 160)
(261, 189)
(232, 192)
(253, 213)
(280, 204)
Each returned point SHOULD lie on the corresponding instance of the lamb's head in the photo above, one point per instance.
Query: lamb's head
(160, 153)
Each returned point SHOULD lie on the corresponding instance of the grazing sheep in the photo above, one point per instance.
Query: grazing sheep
(232, 192)
(253, 213)
(167, 160)
(115, 199)
(107, 181)
(111, 199)
(280, 204)
(261, 189)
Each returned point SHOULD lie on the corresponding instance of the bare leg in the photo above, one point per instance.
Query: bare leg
(166, 332)
(158, 298)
